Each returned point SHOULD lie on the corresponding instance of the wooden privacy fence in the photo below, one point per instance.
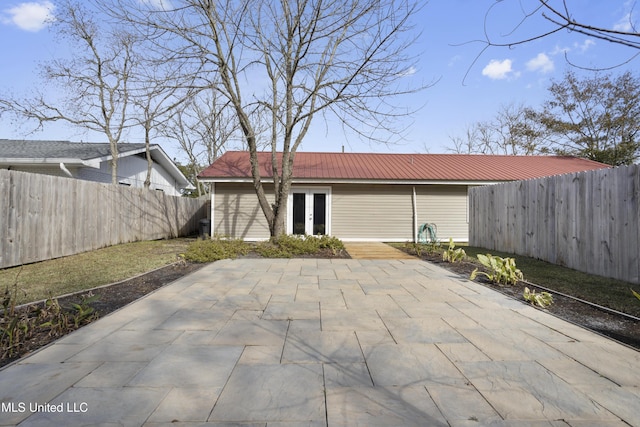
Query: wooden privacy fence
(587, 221)
(44, 217)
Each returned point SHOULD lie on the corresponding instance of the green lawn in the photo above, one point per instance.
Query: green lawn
(90, 269)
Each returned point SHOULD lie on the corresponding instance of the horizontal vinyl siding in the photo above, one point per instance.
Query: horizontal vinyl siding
(358, 211)
(237, 213)
(446, 206)
(372, 212)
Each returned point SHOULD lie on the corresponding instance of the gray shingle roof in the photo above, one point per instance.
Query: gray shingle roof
(21, 149)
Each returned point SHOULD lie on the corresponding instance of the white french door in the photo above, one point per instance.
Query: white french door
(308, 211)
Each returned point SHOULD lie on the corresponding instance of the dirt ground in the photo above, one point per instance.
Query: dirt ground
(118, 295)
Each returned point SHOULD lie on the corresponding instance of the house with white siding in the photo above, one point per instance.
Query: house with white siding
(92, 162)
(368, 196)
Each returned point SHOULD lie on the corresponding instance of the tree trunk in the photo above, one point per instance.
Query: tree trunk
(278, 227)
(113, 145)
(147, 146)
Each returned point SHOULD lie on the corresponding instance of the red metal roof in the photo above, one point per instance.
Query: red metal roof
(235, 165)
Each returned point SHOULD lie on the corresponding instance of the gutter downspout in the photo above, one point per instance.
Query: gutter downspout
(66, 171)
(212, 189)
(415, 215)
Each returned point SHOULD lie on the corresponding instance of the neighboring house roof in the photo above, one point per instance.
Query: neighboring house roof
(76, 154)
(235, 166)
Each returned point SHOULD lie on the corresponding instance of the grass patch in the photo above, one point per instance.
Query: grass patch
(90, 269)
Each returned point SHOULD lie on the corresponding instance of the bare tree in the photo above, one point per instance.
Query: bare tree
(515, 130)
(95, 80)
(470, 142)
(203, 127)
(156, 95)
(555, 16)
(280, 64)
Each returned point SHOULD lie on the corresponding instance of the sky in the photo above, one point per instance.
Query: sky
(468, 83)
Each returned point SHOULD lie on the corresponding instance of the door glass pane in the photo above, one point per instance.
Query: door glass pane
(298, 213)
(319, 213)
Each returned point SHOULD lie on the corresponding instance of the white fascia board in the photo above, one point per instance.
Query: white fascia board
(49, 161)
(394, 182)
(356, 181)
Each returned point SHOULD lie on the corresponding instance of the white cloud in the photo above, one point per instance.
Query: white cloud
(576, 48)
(454, 60)
(541, 63)
(408, 72)
(559, 50)
(624, 24)
(585, 45)
(30, 16)
(498, 70)
(157, 4)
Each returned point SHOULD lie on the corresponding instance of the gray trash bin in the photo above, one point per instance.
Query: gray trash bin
(205, 228)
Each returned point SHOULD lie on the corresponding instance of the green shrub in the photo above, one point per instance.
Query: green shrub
(330, 242)
(501, 270)
(286, 246)
(269, 249)
(296, 245)
(210, 250)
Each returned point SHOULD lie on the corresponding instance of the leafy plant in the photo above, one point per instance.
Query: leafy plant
(453, 255)
(18, 326)
(56, 320)
(501, 270)
(414, 248)
(13, 331)
(542, 299)
(59, 320)
(418, 249)
(13, 327)
(637, 295)
(83, 312)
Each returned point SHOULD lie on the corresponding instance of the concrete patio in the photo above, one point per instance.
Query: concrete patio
(315, 342)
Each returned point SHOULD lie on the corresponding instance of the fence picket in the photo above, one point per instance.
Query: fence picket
(588, 221)
(44, 217)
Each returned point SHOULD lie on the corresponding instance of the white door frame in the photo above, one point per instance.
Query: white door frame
(309, 192)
